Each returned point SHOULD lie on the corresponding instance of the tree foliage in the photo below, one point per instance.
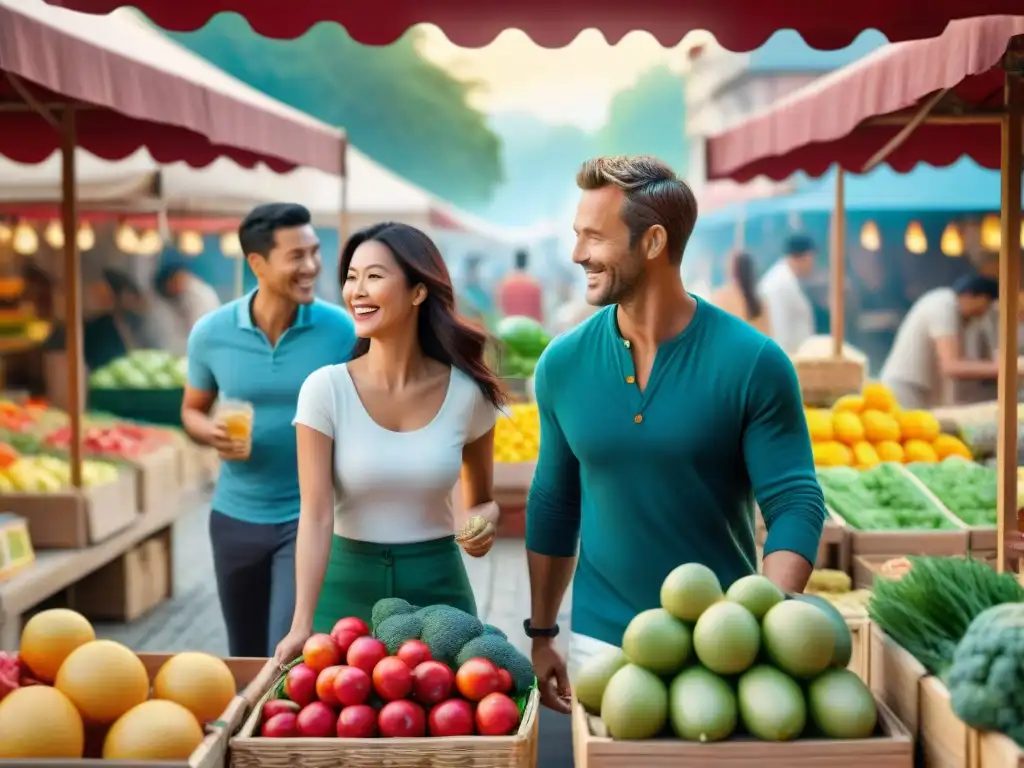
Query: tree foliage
(649, 118)
(402, 110)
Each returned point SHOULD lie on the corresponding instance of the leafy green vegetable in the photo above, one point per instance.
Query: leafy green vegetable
(929, 610)
(967, 489)
(986, 680)
(880, 499)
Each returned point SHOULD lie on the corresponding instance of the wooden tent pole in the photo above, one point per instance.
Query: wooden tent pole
(72, 288)
(837, 266)
(1009, 285)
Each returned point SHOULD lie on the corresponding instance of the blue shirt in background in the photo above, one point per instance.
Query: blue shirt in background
(229, 355)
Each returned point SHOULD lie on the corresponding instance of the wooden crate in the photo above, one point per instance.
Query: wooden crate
(516, 751)
(158, 478)
(994, 750)
(253, 677)
(860, 660)
(946, 741)
(834, 547)
(895, 678)
(893, 749)
(979, 537)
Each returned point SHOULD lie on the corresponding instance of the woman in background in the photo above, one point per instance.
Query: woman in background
(383, 438)
(740, 297)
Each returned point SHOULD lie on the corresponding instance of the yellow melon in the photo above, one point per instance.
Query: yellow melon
(48, 638)
(40, 722)
(104, 680)
(153, 730)
(201, 683)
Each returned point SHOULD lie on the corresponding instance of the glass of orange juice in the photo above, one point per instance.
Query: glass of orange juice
(236, 417)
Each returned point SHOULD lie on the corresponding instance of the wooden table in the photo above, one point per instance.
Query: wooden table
(56, 570)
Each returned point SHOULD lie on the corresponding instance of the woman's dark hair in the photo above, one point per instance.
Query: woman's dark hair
(745, 275)
(443, 335)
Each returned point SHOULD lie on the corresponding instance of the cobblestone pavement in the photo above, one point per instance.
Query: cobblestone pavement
(191, 620)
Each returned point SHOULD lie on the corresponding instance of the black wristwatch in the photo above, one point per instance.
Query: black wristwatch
(532, 631)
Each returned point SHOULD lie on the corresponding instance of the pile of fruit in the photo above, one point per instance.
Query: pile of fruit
(837, 587)
(882, 498)
(523, 340)
(966, 489)
(433, 671)
(517, 434)
(68, 695)
(142, 369)
(47, 474)
(116, 441)
(19, 418)
(749, 658)
(866, 429)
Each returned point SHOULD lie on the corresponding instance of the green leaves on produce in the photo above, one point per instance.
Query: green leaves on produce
(967, 489)
(880, 499)
(929, 610)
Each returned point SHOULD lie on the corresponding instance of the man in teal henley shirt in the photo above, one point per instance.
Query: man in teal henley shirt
(662, 419)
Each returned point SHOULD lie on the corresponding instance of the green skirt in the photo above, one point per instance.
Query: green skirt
(360, 573)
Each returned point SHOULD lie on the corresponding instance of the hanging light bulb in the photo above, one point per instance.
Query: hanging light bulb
(126, 239)
(1022, 234)
(150, 243)
(991, 236)
(54, 234)
(6, 234)
(952, 242)
(190, 242)
(915, 239)
(25, 241)
(230, 246)
(86, 237)
(870, 237)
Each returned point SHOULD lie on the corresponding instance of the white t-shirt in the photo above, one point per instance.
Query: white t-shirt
(790, 313)
(912, 359)
(393, 487)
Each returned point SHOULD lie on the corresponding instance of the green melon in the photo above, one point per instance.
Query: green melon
(688, 591)
(799, 638)
(842, 706)
(726, 638)
(635, 704)
(657, 641)
(755, 593)
(771, 704)
(844, 639)
(593, 676)
(702, 707)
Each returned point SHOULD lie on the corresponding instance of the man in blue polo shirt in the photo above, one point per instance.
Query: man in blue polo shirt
(260, 349)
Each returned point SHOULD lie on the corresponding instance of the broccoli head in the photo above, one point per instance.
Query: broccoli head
(503, 654)
(395, 630)
(447, 629)
(986, 677)
(386, 608)
(490, 629)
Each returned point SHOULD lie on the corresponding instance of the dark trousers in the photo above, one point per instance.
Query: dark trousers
(254, 565)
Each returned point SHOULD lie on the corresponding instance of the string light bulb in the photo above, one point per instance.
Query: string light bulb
(54, 235)
(952, 242)
(6, 234)
(190, 243)
(915, 239)
(991, 234)
(230, 246)
(150, 243)
(86, 237)
(126, 239)
(870, 237)
(25, 241)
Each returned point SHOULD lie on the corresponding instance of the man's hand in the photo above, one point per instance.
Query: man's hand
(227, 449)
(552, 677)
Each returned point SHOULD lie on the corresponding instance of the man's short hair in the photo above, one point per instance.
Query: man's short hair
(654, 195)
(799, 245)
(256, 232)
(977, 285)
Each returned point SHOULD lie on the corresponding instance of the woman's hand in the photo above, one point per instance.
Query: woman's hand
(478, 541)
(290, 648)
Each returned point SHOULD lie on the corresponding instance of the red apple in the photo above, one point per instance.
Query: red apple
(451, 718)
(496, 715)
(320, 652)
(325, 685)
(402, 719)
(504, 681)
(351, 624)
(277, 706)
(414, 653)
(283, 725)
(316, 720)
(300, 684)
(392, 678)
(357, 722)
(365, 652)
(432, 682)
(344, 640)
(352, 686)
(477, 678)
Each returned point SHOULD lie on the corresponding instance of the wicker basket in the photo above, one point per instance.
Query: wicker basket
(825, 380)
(516, 751)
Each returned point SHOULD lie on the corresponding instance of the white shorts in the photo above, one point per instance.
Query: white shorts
(581, 650)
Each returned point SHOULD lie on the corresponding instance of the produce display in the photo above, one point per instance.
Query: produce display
(966, 489)
(115, 441)
(864, 430)
(47, 474)
(65, 685)
(141, 369)
(882, 498)
(707, 664)
(517, 434)
(523, 340)
(412, 672)
(837, 587)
